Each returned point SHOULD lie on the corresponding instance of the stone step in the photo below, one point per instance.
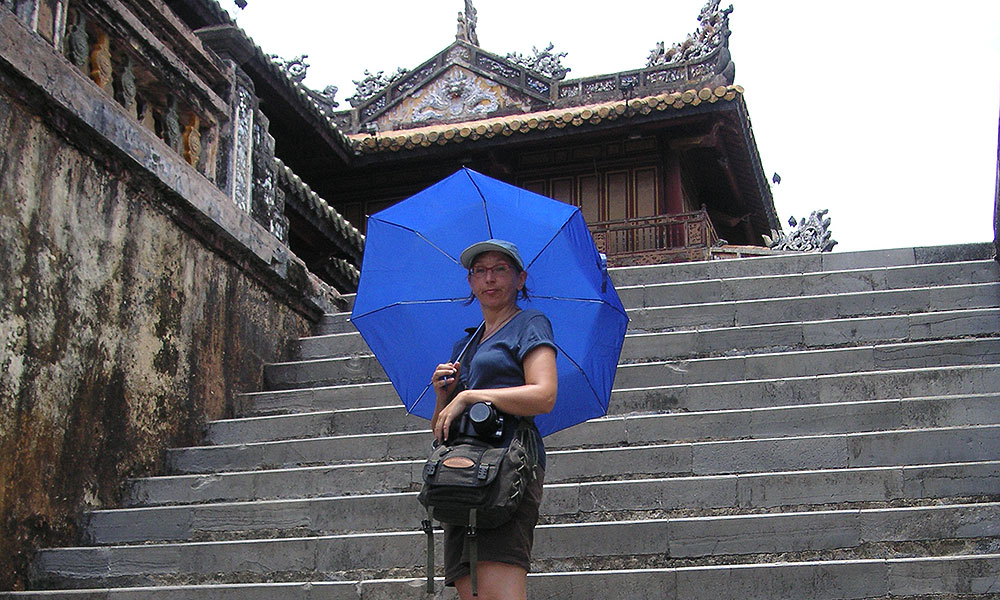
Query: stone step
(852, 579)
(563, 503)
(362, 369)
(809, 308)
(683, 317)
(819, 389)
(323, 372)
(642, 347)
(377, 419)
(874, 385)
(747, 490)
(667, 293)
(787, 309)
(657, 541)
(331, 346)
(334, 397)
(617, 429)
(798, 264)
(810, 362)
(944, 444)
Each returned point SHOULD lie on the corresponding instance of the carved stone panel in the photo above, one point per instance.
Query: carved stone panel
(456, 95)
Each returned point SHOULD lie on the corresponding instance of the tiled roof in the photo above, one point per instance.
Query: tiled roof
(279, 76)
(321, 209)
(593, 114)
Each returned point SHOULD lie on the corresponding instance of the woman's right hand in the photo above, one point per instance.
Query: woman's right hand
(445, 379)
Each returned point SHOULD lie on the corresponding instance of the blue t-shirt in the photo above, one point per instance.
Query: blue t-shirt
(498, 362)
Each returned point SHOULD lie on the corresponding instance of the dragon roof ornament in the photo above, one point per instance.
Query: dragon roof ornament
(712, 32)
(295, 69)
(467, 22)
(546, 62)
(372, 84)
(807, 235)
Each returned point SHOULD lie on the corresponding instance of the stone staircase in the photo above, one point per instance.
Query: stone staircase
(807, 427)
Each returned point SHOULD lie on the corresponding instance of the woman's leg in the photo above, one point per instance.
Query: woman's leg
(497, 581)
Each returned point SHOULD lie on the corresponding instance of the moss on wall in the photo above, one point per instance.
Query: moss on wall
(120, 332)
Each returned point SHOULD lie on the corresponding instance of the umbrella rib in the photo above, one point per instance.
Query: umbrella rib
(408, 302)
(482, 197)
(552, 239)
(588, 300)
(421, 236)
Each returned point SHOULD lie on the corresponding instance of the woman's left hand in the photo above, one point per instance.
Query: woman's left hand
(452, 411)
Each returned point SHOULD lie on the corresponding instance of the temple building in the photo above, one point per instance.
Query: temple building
(661, 159)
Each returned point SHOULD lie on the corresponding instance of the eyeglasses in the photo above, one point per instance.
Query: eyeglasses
(498, 271)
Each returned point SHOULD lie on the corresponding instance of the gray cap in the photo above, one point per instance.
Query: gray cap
(505, 247)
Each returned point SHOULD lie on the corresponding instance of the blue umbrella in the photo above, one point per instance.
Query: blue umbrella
(412, 306)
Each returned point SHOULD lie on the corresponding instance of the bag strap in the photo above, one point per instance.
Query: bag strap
(470, 537)
(429, 530)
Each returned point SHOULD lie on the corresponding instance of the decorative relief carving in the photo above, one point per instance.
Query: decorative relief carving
(127, 87)
(172, 125)
(498, 67)
(456, 95)
(712, 32)
(459, 54)
(808, 235)
(546, 62)
(100, 63)
(78, 44)
(596, 87)
(242, 149)
(666, 75)
(570, 91)
(375, 107)
(701, 70)
(192, 140)
(413, 80)
(538, 85)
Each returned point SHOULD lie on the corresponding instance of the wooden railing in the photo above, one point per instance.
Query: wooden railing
(650, 240)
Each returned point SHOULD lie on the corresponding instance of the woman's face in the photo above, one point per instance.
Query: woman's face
(495, 282)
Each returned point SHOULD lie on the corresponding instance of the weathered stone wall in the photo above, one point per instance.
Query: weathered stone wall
(121, 331)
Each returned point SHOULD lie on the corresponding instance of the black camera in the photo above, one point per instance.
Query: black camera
(480, 420)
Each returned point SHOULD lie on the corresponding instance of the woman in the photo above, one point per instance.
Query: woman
(512, 366)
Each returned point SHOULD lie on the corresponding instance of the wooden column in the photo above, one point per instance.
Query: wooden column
(673, 191)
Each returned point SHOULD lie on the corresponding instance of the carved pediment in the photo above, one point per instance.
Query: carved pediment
(456, 94)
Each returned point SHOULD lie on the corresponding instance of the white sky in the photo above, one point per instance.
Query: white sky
(884, 112)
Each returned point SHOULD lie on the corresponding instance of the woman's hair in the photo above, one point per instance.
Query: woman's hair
(517, 271)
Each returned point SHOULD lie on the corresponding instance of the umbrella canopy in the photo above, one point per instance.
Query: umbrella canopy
(411, 304)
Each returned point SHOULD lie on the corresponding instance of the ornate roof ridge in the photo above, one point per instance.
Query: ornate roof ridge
(282, 77)
(559, 118)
